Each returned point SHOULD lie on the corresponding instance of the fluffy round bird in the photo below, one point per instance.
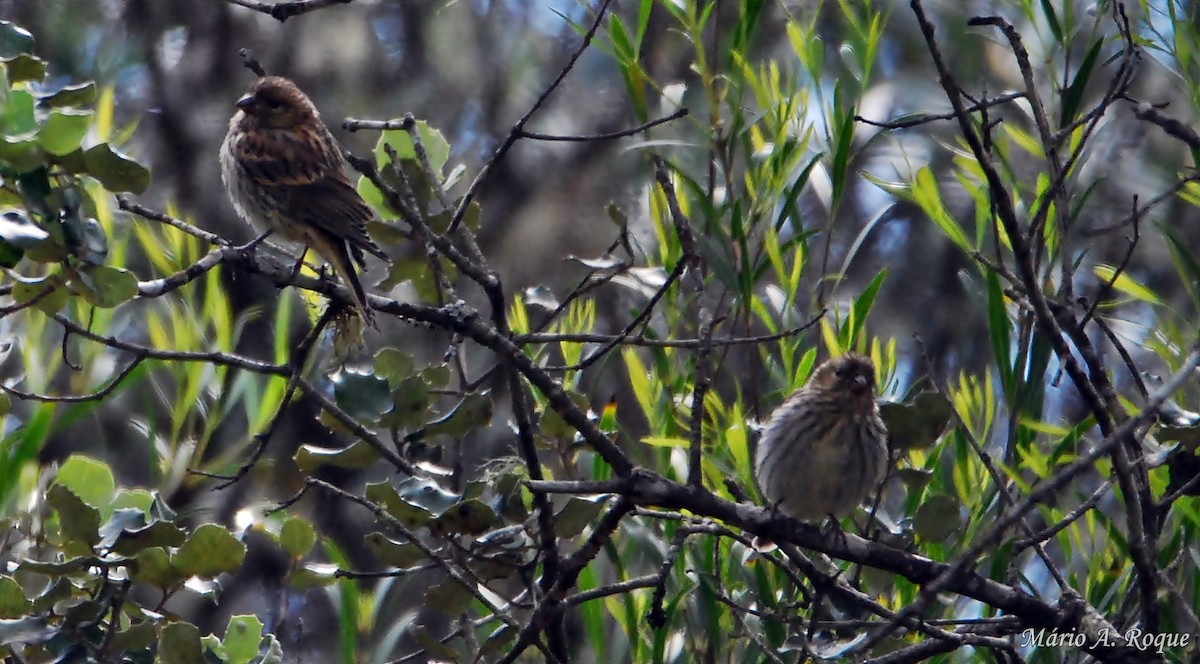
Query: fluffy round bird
(283, 170)
(825, 448)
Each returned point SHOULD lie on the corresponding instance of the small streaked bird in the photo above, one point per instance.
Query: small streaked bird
(284, 172)
(825, 448)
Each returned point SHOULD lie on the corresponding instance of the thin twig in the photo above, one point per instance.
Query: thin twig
(282, 11)
(515, 133)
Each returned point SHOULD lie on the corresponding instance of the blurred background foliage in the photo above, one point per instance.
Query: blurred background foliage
(800, 209)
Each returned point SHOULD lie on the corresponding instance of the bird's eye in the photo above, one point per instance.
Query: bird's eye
(273, 104)
(840, 372)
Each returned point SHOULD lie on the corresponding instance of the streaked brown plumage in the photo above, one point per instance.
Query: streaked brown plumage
(825, 448)
(284, 171)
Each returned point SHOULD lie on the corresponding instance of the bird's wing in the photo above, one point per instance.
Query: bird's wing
(304, 169)
(333, 204)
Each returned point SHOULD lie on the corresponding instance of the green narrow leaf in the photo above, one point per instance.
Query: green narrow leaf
(1033, 392)
(1126, 284)
(925, 194)
(1052, 19)
(999, 333)
(1185, 264)
(862, 307)
(1073, 95)
(643, 20)
(620, 39)
(639, 380)
(844, 138)
(592, 614)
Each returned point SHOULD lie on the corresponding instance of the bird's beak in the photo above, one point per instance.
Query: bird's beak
(859, 385)
(246, 103)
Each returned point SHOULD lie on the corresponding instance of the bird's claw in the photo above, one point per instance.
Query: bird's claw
(251, 247)
(834, 528)
(299, 264)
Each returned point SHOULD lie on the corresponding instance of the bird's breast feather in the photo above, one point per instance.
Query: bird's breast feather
(283, 158)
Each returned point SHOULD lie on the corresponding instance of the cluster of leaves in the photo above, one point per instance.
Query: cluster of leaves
(76, 561)
(83, 607)
(51, 148)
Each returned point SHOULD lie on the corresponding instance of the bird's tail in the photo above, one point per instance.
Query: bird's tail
(334, 250)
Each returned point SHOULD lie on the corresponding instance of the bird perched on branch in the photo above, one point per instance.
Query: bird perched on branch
(825, 448)
(283, 170)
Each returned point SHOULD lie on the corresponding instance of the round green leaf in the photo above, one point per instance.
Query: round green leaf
(14, 40)
(393, 553)
(127, 539)
(552, 425)
(78, 94)
(21, 152)
(297, 537)
(242, 638)
(410, 401)
(180, 644)
(211, 550)
(63, 130)
(13, 602)
(576, 515)
(374, 198)
(450, 598)
(106, 287)
(79, 565)
(938, 517)
(470, 517)
(918, 423)
(24, 67)
(17, 120)
(435, 376)
(138, 638)
(154, 567)
(79, 521)
(432, 647)
(27, 290)
(914, 479)
(89, 479)
(383, 493)
(437, 148)
(363, 395)
(393, 364)
(116, 171)
(140, 499)
(358, 455)
(78, 610)
(471, 414)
